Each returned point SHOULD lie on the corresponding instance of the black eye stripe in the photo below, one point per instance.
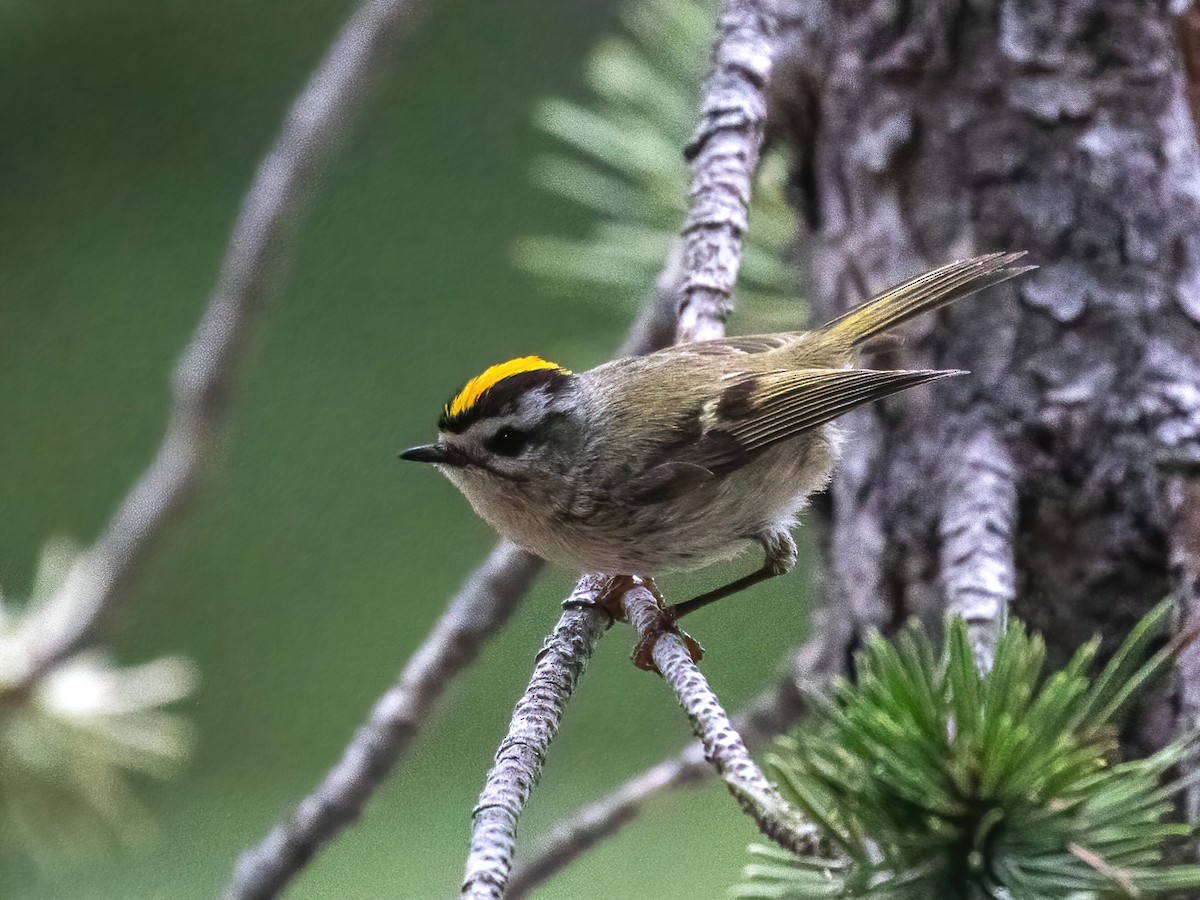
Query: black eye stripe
(508, 441)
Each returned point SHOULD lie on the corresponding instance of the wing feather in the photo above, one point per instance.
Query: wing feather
(784, 404)
(927, 291)
(755, 412)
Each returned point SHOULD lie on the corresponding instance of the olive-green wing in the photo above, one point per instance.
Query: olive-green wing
(926, 292)
(743, 345)
(759, 411)
(754, 412)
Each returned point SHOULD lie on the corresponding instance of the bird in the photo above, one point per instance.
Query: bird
(685, 456)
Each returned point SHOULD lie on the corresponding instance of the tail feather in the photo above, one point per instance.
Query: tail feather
(926, 292)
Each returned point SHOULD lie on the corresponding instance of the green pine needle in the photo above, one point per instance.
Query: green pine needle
(933, 781)
(621, 160)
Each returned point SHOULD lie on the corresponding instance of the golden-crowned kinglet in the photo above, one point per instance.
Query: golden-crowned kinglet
(682, 457)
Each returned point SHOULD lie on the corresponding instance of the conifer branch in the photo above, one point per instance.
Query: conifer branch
(977, 566)
(724, 153)
(521, 754)
(769, 715)
(596, 822)
(723, 746)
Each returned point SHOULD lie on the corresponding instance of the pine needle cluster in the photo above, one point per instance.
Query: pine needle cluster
(932, 781)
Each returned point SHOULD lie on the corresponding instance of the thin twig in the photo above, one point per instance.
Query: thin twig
(534, 724)
(203, 377)
(977, 566)
(724, 153)
(770, 714)
(577, 834)
(476, 614)
(723, 746)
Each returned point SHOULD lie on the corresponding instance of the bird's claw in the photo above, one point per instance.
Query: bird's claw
(608, 600)
(643, 652)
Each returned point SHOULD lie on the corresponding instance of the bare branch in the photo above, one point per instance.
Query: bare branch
(534, 724)
(723, 746)
(770, 714)
(477, 613)
(977, 566)
(204, 374)
(596, 822)
(724, 153)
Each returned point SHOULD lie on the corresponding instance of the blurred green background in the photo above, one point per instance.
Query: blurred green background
(314, 562)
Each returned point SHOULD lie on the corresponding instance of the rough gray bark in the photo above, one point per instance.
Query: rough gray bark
(925, 132)
(724, 153)
(769, 715)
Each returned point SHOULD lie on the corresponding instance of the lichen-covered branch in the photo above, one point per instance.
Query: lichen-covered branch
(723, 746)
(976, 558)
(598, 821)
(204, 374)
(476, 614)
(534, 724)
(770, 714)
(724, 153)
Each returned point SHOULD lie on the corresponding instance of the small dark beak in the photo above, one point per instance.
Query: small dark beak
(430, 453)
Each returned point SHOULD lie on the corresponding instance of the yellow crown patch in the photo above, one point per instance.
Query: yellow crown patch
(480, 384)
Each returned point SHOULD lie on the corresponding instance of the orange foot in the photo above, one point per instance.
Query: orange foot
(643, 652)
(608, 599)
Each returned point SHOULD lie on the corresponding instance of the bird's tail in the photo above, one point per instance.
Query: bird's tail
(931, 290)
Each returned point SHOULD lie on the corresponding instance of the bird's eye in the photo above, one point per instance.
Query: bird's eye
(508, 442)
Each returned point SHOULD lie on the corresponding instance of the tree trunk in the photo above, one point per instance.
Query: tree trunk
(1045, 480)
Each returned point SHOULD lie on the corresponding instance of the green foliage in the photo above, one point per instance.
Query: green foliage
(623, 162)
(933, 781)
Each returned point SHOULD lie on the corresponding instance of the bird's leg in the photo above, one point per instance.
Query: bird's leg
(608, 599)
(780, 556)
(780, 553)
(643, 651)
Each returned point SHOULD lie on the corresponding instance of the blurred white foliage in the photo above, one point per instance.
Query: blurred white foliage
(72, 740)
